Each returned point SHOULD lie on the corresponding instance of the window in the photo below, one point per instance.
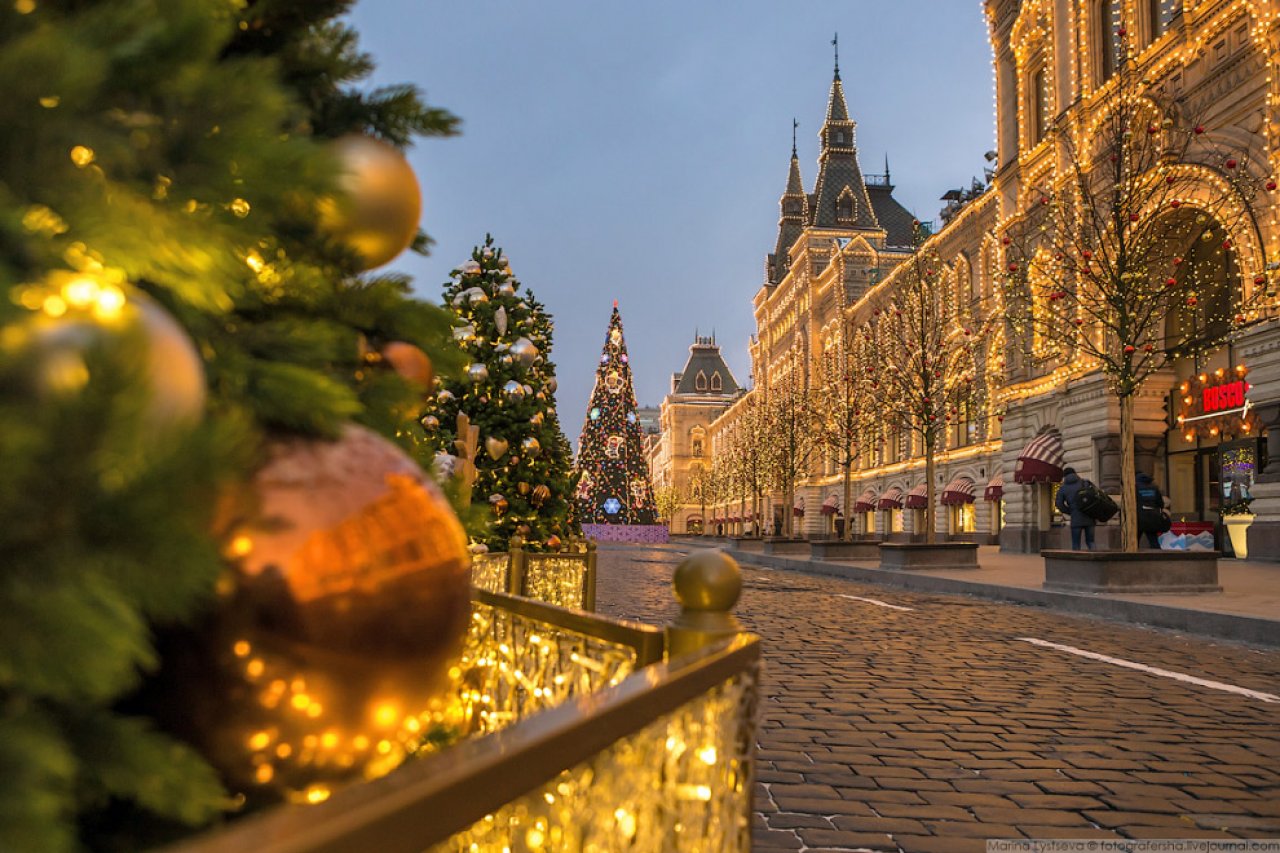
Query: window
(1159, 17)
(1039, 105)
(844, 207)
(839, 137)
(700, 381)
(717, 383)
(1106, 28)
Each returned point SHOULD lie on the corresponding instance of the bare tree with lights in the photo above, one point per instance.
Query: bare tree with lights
(843, 411)
(747, 454)
(918, 366)
(789, 433)
(1120, 264)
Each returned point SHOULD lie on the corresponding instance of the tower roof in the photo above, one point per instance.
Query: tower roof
(706, 362)
(840, 195)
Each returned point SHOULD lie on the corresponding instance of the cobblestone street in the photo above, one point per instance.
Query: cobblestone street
(903, 721)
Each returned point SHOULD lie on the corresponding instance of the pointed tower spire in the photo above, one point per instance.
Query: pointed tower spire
(835, 43)
(794, 213)
(840, 197)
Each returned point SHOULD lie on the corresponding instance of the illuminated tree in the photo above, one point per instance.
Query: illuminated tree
(917, 362)
(1141, 250)
(667, 500)
(613, 485)
(843, 413)
(745, 452)
(709, 486)
(523, 467)
(788, 434)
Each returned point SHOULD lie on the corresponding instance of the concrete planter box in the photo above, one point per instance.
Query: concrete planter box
(941, 555)
(980, 538)
(859, 551)
(786, 546)
(754, 544)
(1142, 571)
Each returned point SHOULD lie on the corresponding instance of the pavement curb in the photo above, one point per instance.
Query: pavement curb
(1227, 626)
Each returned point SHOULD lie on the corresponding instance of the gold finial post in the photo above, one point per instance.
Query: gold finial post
(707, 585)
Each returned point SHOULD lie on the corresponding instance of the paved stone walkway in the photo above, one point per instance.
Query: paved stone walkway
(936, 727)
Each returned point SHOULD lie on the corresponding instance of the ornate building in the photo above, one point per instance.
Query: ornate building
(680, 457)
(1057, 65)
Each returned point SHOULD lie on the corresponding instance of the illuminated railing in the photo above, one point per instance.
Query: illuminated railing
(565, 578)
(579, 735)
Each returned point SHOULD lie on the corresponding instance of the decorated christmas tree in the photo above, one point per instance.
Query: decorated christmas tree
(613, 484)
(185, 215)
(522, 463)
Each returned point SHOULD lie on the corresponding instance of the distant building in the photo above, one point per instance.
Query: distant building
(699, 394)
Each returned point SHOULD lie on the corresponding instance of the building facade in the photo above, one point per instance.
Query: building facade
(680, 456)
(1202, 430)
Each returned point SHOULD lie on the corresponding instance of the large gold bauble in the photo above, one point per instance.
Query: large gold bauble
(350, 599)
(378, 214)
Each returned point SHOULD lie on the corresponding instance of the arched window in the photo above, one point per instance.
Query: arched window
(1038, 106)
(1106, 27)
(697, 437)
(844, 207)
(700, 381)
(717, 383)
(1159, 15)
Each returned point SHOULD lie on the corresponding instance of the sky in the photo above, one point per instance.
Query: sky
(637, 150)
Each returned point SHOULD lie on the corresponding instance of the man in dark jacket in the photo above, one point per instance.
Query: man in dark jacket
(1067, 504)
(1150, 503)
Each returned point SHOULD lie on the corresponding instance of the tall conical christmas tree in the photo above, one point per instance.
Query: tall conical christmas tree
(523, 464)
(613, 484)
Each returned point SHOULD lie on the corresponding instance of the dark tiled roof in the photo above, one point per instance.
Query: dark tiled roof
(840, 170)
(704, 358)
(893, 217)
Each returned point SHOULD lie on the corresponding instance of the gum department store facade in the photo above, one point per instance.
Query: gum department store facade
(838, 247)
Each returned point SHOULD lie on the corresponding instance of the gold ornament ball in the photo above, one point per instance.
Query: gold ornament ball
(377, 215)
(707, 580)
(349, 600)
(540, 495)
(410, 362)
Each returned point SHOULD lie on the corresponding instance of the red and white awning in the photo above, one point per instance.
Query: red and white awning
(866, 501)
(918, 497)
(1042, 459)
(995, 488)
(831, 505)
(891, 499)
(960, 490)
(798, 509)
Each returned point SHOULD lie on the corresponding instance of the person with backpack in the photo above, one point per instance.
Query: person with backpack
(1068, 503)
(1152, 519)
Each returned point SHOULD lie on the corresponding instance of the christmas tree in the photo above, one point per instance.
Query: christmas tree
(613, 485)
(170, 299)
(523, 465)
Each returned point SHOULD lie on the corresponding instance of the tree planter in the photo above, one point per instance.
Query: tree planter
(1135, 572)
(940, 555)
(1238, 529)
(865, 551)
(786, 546)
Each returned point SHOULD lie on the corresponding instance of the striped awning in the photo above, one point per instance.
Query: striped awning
(831, 505)
(918, 497)
(1042, 459)
(995, 488)
(866, 501)
(798, 509)
(891, 499)
(960, 490)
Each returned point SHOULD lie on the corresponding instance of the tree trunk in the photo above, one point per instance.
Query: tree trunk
(930, 524)
(847, 506)
(789, 511)
(1128, 477)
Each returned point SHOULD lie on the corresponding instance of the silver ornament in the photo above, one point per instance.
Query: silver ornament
(464, 333)
(552, 385)
(525, 350)
(445, 396)
(500, 320)
(514, 389)
(506, 289)
(431, 422)
(477, 372)
(531, 446)
(506, 359)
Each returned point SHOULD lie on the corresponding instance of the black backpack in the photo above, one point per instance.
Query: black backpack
(1095, 503)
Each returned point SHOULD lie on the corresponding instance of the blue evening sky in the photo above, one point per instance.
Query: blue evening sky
(636, 151)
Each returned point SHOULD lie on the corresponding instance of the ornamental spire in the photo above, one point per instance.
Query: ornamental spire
(835, 43)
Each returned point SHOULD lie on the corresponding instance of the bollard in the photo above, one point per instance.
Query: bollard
(707, 585)
(589, 593)
(515, 566)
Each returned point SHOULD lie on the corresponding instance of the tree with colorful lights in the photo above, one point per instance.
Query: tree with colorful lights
(747, 454)
(169, 299)
(613, 484)
(843, 414)
(523, 467)
(788, 436)
(1122, 262)
(917, 362)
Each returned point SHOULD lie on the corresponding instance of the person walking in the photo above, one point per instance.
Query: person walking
(1150, 509)
(1068, 504)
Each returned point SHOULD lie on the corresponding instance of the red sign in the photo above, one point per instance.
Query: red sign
(1216, 398)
